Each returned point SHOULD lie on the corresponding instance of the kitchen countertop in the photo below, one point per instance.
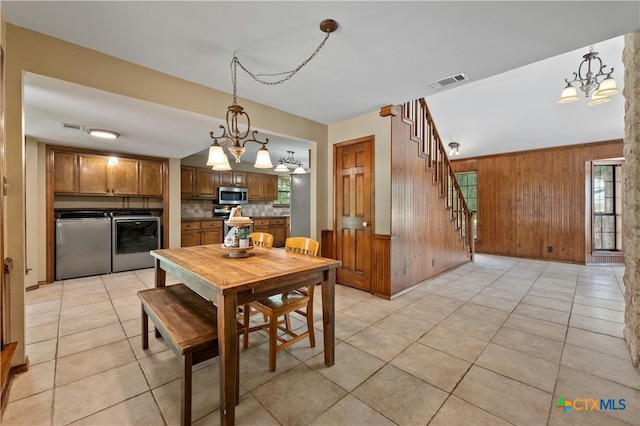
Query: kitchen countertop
(202, 219)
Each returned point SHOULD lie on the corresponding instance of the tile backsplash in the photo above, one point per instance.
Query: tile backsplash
(196, 209)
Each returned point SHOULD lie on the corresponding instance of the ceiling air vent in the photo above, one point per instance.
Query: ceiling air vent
(71, 126)
(448, 81)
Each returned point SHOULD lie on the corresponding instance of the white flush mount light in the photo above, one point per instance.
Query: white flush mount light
(104, 134)
(454, 148)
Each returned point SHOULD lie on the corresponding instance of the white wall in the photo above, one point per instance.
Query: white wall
(380, 128)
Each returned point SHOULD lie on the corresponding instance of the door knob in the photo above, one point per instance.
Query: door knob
(365, 224)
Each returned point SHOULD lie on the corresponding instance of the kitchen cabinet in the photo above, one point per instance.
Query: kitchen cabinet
(262, 187)
(65, 173)
(200, 233)
(187, 182)
(151, 178)
(88, 174)
(98, 177)
(274, 226)
(277, 229)
(231, 178)
(207, 182)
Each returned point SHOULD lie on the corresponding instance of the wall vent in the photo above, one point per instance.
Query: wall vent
(71, 126)
(448, 81)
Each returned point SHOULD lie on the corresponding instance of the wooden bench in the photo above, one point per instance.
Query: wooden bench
(188, 324)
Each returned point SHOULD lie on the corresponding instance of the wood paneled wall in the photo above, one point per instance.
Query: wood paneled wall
(531, 200)
(424, 242)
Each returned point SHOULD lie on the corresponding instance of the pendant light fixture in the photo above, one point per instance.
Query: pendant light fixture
(282, 168)
(599, 85)
(232, 135)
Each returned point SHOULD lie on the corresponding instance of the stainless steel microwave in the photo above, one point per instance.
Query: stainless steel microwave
(232, 195)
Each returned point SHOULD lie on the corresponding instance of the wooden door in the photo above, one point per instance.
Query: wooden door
(353, 181)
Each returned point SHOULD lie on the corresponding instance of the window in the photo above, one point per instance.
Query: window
(607, 206)
(284, 192)
(467, 182)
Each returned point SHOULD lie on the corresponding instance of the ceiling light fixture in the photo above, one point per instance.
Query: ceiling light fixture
(236, 138)
(105, 134)
(454, 148)
(282, 168)
(599, 85)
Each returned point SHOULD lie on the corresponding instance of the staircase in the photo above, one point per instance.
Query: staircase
(432, 150)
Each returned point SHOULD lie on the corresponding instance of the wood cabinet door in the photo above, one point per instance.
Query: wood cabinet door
(94, 175)
(124, 177)
(187, 181)
(151, 183)
(239, 179)
(190, 238)
(206, 183)
(255, 186)
(269, 187)
(226, 178)
(278, 233)
(65, 173)
(211, 236)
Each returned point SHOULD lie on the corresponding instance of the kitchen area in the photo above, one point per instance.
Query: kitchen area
(107, 213)
(208, 196)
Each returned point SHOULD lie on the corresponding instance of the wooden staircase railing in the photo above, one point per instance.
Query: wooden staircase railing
(436, 160)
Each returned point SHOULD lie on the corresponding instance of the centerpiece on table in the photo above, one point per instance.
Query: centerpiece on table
(238, 237)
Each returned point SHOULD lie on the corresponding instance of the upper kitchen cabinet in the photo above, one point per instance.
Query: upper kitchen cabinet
(151, 178)
(262, 187)
(65, 173)
(187, 182)
(231, 178)
(89, 174)
(207, 182)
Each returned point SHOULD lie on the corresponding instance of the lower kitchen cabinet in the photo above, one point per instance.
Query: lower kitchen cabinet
(201, 233)
(274, 226)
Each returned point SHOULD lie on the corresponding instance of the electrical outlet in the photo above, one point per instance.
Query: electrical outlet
(549, 249)
(433, 262)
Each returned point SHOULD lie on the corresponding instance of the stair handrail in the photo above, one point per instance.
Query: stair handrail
(432, 149)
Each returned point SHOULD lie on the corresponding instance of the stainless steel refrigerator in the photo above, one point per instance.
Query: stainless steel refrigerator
(300, 205)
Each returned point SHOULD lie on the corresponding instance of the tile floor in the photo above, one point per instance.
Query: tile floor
(494, 342)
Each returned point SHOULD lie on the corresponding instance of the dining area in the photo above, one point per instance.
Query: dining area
(217, 291)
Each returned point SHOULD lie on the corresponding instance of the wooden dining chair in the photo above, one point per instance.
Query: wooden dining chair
(263, 239)
(277, 309)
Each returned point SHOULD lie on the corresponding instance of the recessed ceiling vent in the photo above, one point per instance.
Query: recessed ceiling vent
(448, 81)
(71, 126)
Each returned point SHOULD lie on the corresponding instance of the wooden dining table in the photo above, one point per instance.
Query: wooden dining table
(230, 282)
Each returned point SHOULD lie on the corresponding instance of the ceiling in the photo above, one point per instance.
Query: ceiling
(516, 54)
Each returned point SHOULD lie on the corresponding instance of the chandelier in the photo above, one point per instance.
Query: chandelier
(599, 85)
(232, 135)
(282, 168)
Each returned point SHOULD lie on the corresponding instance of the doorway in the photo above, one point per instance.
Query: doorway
(354, 214)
